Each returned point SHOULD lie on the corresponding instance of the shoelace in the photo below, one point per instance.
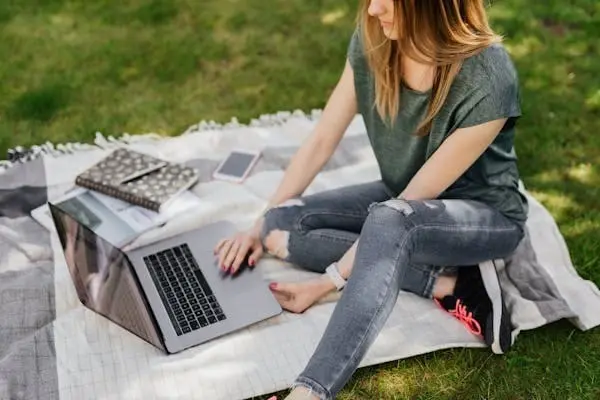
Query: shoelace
(465, 316)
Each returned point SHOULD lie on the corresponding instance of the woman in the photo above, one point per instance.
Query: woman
(439, 96)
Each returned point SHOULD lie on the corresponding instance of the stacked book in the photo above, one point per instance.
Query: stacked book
(126, 194)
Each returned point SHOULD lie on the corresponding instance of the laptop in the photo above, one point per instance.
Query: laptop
(170, 294)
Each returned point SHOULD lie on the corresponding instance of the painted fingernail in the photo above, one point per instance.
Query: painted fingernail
(273, 286)
(251, 262)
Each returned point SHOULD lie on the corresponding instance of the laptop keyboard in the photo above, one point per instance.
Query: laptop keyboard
(183, 289)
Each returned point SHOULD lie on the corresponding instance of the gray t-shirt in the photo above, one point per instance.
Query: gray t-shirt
(484, 90)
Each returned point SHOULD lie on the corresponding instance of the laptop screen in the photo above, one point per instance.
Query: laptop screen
(103, 277)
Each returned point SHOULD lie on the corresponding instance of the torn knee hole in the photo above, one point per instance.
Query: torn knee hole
(400, 205)
(276, 243)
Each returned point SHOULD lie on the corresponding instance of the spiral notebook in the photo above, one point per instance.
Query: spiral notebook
(138, 178)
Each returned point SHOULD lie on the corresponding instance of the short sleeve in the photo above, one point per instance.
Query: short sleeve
(355, 51)
(496, 95)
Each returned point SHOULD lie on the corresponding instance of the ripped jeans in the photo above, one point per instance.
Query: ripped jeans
(404, 245)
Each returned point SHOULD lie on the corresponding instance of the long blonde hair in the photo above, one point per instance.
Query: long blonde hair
(438, 32)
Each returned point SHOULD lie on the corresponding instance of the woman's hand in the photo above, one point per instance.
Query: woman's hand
(232, 251)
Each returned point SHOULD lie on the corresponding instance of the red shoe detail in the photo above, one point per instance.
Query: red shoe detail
(461, 313)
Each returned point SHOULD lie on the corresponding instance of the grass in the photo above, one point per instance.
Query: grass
(71, 68)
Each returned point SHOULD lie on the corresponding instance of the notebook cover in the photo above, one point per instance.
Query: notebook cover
(138, 178)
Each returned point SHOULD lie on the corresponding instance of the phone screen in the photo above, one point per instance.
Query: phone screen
(236, 164)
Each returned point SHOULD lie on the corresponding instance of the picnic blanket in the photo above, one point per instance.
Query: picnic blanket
(51, 347)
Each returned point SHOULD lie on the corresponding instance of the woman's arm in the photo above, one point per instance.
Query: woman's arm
(320, 145)
(456, 154)
(305, 165)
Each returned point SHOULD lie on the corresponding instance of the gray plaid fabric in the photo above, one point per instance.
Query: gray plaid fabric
(27, 354)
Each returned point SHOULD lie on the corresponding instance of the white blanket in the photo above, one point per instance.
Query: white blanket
(96, 359)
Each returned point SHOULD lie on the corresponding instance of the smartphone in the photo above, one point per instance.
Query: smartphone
(237, 165)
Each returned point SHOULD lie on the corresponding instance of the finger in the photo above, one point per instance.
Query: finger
(241, 254)
(255, 256)
(224, 252)
(219, 245)
(235, 247)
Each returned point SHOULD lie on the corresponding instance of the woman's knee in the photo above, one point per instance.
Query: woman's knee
(279, 222)
(391, 215)
(404, 208)
(389, 227)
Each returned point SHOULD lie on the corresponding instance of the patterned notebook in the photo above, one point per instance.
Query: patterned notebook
(138, 178)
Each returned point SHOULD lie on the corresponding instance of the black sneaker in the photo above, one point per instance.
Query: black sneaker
(477, 303)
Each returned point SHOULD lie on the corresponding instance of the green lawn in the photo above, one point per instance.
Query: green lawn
(71, 68)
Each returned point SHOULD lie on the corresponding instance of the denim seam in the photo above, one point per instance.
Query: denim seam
(446, 226)
(458, 228)
(328, 237)
(386, 295)
(433, 276)
(299, 221)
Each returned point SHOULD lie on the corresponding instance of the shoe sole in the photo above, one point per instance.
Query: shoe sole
(499, 330)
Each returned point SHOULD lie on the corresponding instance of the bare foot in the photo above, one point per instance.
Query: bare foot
(297, 297)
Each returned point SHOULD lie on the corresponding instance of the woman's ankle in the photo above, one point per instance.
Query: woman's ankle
(325, 284)
(444, 286)
(301, 393)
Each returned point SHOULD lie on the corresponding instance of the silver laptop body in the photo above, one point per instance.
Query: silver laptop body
(171, 293)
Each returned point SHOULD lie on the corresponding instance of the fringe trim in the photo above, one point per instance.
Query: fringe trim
(20, 155)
